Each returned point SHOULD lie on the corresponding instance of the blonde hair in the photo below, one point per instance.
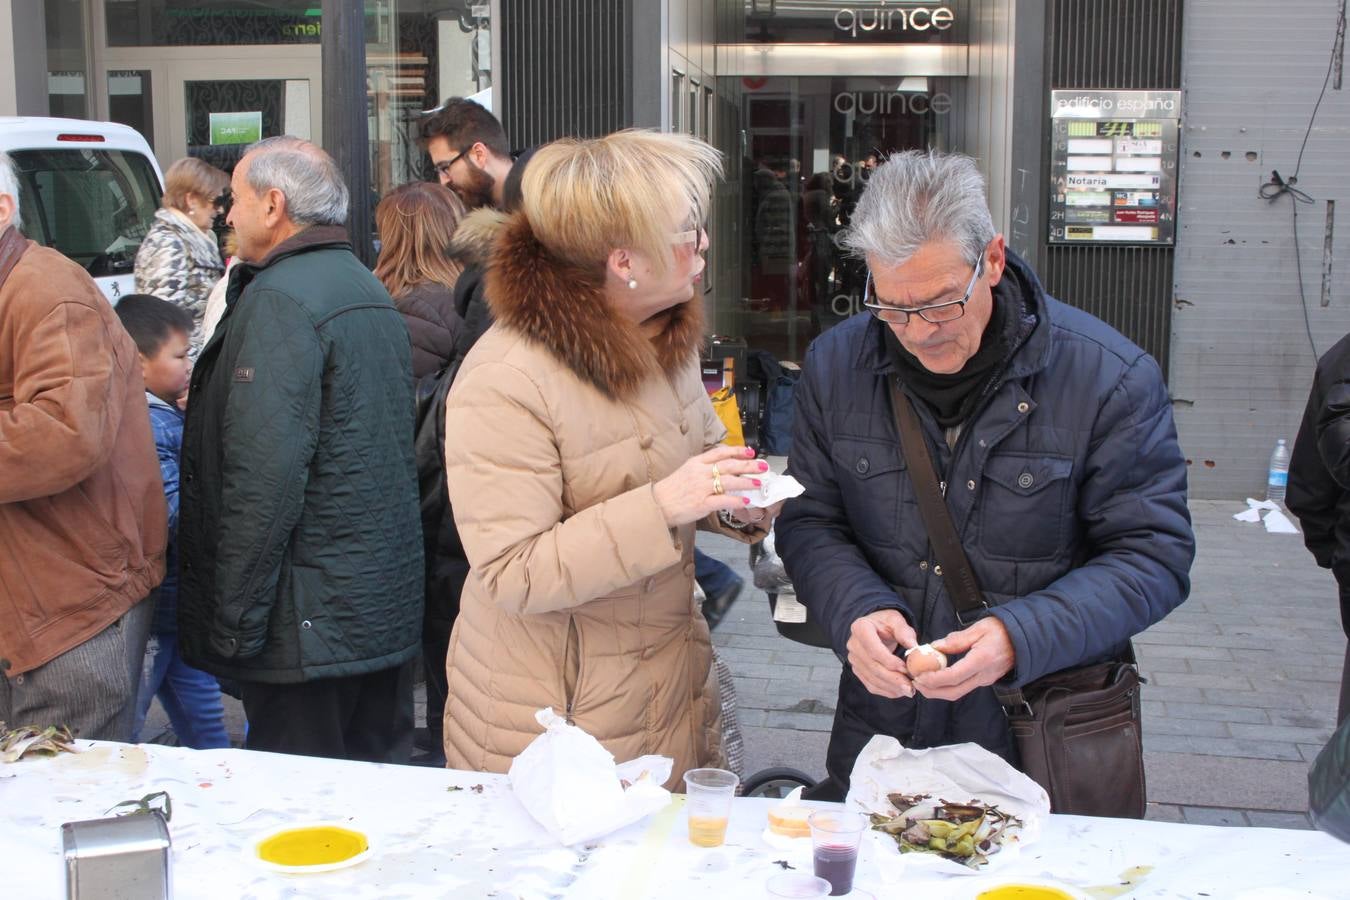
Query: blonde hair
(192, 176)
(587, 198)
(416, 222)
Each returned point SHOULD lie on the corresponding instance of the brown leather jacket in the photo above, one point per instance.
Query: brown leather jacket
(82, 512)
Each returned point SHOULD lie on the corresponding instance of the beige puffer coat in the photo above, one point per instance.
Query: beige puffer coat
(580, 597)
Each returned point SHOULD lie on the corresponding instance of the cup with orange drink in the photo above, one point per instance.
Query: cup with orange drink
(709, 793)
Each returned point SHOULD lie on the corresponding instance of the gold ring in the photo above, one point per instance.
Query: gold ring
(716, 474)
(717, 483)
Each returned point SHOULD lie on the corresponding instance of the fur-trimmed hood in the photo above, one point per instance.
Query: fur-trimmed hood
(563, 307)
(471, 244)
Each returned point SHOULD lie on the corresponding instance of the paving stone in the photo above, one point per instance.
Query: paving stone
(1246, 748)
(1160, 725)
(798, 720)
(1163, 812)
(755, 641)
(747, 656)
(1183, 679)
(1249, 714)
(1166, 743)
(1310, 751)
(1299, 718)
(828, 673)
(772, 671)
(1186, 651)
(1260, 818)
(1153, 708)
(750, 717)
(1230, 669)
(1170, 694)
(1318, 735)
(1205, 815)
(1150, 664)
(1258, 699)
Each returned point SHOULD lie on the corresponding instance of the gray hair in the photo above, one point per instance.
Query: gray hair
(9, 184)
(308, 178)
(920, 196)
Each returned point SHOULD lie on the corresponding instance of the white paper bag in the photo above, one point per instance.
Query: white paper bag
(570, 785)
(956, 773)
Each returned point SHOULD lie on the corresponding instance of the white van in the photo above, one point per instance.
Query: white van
(87, 189)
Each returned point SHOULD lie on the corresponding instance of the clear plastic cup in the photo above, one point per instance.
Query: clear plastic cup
(709, 793)
(796, 885)
(835, 836)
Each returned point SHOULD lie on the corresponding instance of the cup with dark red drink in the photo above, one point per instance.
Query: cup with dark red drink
(835, 836)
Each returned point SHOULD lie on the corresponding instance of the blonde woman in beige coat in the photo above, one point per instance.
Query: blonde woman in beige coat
(582, 453)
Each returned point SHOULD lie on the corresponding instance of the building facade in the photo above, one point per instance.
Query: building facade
(1125, 143)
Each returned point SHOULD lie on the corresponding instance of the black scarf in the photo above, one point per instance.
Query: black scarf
(953, 397)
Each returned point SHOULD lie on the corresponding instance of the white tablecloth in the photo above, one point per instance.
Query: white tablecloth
(428, 841)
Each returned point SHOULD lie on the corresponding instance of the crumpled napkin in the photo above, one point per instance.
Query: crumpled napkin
(1276, 521)
(571, 786)
(773, 487)
(958, 773)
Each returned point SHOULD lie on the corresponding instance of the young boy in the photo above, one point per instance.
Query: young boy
(190, 696)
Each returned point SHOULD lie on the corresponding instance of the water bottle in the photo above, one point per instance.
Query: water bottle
(1278, 479)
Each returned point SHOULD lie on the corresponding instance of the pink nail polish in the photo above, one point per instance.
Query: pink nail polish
(749, 453)
(756, 482)
(763, 466)
(745, 501)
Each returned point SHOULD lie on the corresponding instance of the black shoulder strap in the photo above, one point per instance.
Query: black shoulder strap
(962, 587)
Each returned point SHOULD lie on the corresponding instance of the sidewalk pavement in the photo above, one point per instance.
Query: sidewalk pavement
(1243, 679)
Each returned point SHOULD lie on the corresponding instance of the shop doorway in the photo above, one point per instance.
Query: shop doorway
(809, 145)
(213, 102)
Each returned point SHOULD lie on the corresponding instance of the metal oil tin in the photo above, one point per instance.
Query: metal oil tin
(120, 858)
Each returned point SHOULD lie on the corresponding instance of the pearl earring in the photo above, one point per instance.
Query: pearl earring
(632, 284)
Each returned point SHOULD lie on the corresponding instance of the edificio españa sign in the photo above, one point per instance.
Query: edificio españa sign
(1113, 166)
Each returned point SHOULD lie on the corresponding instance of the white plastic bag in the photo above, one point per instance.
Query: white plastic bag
(958, 773)
(570, 785)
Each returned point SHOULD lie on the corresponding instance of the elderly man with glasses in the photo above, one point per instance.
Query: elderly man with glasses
(1052, 439)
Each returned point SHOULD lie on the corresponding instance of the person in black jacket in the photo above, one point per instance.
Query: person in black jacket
(468, 150)
(299, 530)
(417, 224)
(1319, 482)
(1054, 440)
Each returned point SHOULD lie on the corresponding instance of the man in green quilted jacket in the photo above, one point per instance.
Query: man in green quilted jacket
(299, 532)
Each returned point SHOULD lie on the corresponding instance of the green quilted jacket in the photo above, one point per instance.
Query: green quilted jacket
(300, 544)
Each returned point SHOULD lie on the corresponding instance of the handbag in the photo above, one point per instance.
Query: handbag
(1078, 731)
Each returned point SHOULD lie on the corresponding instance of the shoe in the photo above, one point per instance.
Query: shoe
(716, 605)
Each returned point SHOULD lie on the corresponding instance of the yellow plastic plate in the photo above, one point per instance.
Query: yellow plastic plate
(310, 847)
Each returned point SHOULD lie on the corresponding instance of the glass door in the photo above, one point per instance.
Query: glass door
(218, 108)
(809, 145)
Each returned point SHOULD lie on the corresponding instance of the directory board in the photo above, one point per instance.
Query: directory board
(1113, 167)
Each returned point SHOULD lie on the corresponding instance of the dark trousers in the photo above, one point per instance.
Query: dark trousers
(362, 717)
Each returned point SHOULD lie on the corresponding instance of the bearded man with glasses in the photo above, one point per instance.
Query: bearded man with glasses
(1052, 439)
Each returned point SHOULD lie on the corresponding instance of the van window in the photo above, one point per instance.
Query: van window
(94, 206)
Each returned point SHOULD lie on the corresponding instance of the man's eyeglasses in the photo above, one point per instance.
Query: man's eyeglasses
(443, 167)
(934, 314)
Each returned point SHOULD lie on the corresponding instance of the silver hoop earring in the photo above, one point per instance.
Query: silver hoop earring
(632, 284)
